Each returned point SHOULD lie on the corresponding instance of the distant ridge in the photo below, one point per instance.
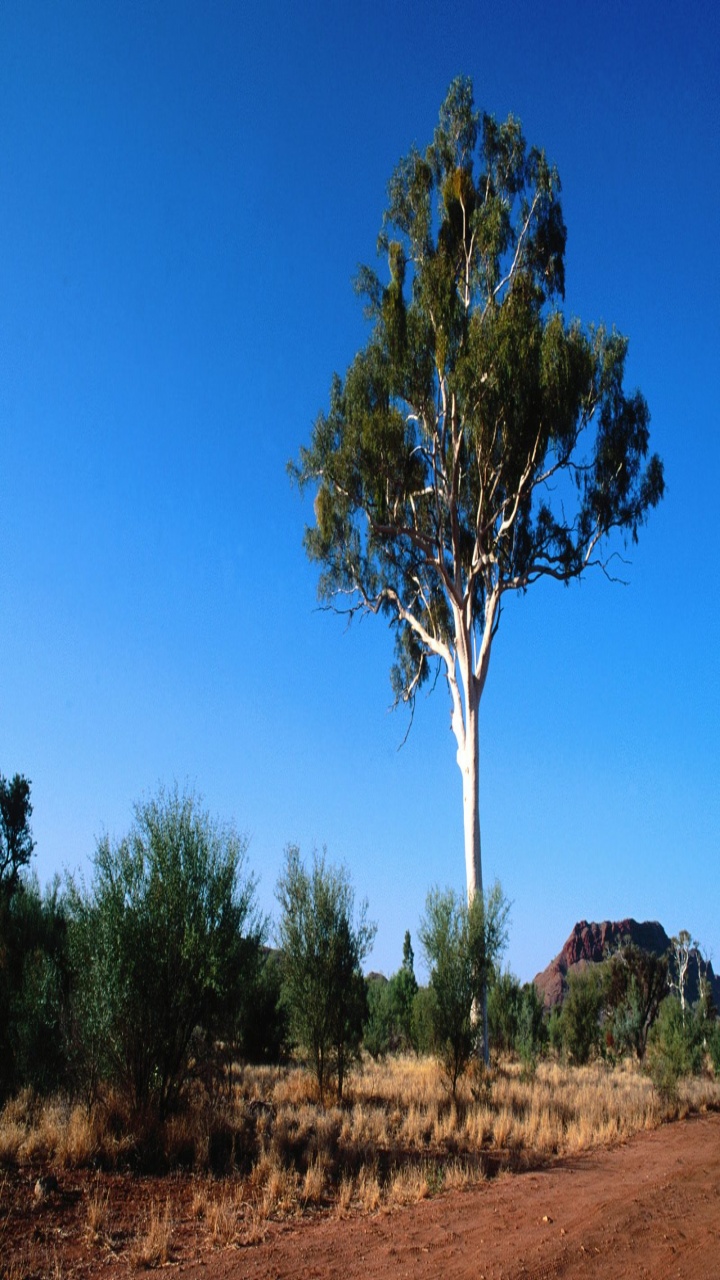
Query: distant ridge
(591, 943)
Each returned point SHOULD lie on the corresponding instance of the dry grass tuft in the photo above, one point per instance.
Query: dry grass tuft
(97, 1214)
(11, 1139)
(221, 1216)
(408, 1186)
(314, 1182)
(152, 1249)
(458, 1176)
(344, 1196)
(368, 1190)
(280, 1196)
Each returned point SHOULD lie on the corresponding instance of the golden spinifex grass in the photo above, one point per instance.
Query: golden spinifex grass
(152, 1247)
(397, 1138)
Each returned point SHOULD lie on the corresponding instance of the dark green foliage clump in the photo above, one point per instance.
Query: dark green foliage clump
(580, 1016)
(462, 944)
(16, 842)
(675, 1046)
(636, 982)
(33, 956)
(163, 947)
(389, 1027)
(33, 989)
(322, 948)
(515, 1019)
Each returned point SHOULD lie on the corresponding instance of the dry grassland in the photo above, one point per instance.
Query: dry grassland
(268, 1150)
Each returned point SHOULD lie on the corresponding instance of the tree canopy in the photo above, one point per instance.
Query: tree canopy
(322, 948)
(479, 441)
(163, 947)
(16, 842)
(462, 943)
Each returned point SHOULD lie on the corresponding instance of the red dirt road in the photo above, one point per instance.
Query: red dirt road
(649, 1209)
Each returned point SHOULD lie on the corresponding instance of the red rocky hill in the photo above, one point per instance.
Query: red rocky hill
(591, 943)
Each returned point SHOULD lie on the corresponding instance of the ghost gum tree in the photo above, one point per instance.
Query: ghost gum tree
(479, 441)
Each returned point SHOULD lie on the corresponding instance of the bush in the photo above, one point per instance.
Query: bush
(389, 1025)
(504, 1000)
(264, 1029)
(322, 953)
(462, 944)
(379, 1027)
(33, 987)
(713, 1044)
(554, 1030)
(675, 1046)
(163, 947)
(531, 1031)
(423, 1020)
(580, 1017)
(635, 985)
(515, 1018)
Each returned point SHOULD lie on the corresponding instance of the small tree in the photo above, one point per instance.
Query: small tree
(404, 985)
(504, 1000)
(33, 989)
(389, 1026)
(461, 942)
(531, 1032)
(378, 1030)
(16, 842)
(264, 1032)
(635, 985)
(163, 945)
(323, 948)
(423, 1021)
(580, 1017)
(675, 1046)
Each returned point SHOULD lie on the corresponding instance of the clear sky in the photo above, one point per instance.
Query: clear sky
(186, 190)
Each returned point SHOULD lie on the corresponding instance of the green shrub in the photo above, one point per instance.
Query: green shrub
(635, 985)
(531, 1030)
(675, 1048)
(580, 1016)
(713, 1044)
(389, 1025)
(163, 947)
(423, 1020)
(322, 950)
(462, 944)
(504, 1000)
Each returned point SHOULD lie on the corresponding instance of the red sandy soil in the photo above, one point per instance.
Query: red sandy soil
(649, 1210)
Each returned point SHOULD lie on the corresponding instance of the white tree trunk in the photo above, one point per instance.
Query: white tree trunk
(469, 762)
(468, 758)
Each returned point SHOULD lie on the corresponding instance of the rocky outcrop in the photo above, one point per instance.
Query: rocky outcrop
(591, 943)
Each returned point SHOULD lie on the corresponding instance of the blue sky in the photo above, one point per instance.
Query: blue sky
(186, 191)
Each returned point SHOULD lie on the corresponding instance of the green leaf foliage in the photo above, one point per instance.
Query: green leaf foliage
(636, 982)
(581, 1012)
(33, 989)
(462, 944)
(164, 945)
(16, 842)
(515, 1018)
(675, 1046)
(389, 1025)
(322, 948)
(479, 440)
